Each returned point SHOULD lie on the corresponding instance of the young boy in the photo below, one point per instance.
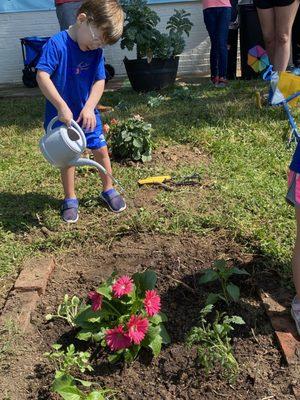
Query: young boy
(71, 75)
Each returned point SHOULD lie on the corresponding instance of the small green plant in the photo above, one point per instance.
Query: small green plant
(65, 383)
(155, 101)
(222, 273)
(67, 360)
(131, 139)
(183, 93)
(213, 342)
(67, 310)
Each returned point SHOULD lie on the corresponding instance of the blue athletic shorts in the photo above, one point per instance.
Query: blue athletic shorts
(95, 140)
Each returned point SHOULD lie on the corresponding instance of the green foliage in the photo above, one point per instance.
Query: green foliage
(131, 139)
(67, 310)
(111, 312)
(220, 272)
(155, 101)
(66, 361)
(213, 343)
(65, 384)
(140, 30)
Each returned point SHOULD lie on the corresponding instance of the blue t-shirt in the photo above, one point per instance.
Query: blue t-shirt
(295, 164)
(73, 73)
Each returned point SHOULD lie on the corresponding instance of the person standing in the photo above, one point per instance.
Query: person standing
(66, 11)
(217, 16)
(296, 40)
(276, 20)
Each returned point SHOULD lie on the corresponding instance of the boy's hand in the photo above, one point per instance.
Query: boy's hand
(88, 118)
(65, 115)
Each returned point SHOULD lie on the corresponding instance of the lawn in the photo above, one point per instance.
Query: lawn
(248, 159)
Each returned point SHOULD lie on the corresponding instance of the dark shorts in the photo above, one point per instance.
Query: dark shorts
(264, 4)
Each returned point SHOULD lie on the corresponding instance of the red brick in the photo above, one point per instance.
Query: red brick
(35, 275)
(19, 308)
(282, 322)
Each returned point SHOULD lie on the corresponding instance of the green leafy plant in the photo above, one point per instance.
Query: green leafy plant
(124, 316)
(183, 93)
(65, 384)
(155, 101)
(221, 272)
(131, 139)
(67, 310)
(213, 342)
(140, 31)
(67, 360)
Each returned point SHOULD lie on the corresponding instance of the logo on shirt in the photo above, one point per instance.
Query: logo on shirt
(81, 67)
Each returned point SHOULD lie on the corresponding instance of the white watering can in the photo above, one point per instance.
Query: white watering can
(63, 146)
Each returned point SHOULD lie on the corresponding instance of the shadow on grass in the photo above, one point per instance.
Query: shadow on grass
(20, 212)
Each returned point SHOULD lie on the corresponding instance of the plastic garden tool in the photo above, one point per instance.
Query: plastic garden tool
(188, 180)
(63, 146)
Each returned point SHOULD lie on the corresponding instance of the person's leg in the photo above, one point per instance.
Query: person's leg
(68, 181)
(69, 208)
(296, 257)
(267, 23)
(66, 14)
(210, 17)
(296, 40)
(284, 18)
(102, 157)
(109, 195)
(222, 35)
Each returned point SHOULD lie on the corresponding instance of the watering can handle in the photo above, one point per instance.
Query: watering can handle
(73, 124)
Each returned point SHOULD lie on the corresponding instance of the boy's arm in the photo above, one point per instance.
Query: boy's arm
(87, 115)
(50, 92)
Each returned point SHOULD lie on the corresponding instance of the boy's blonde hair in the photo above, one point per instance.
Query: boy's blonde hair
(107, 15)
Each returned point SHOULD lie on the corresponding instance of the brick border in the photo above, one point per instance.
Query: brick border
(277, 302)
(29, 286)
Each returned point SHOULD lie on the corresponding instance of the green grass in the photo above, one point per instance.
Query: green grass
(247, 175)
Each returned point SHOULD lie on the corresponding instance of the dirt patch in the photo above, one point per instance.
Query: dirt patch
(174, 374)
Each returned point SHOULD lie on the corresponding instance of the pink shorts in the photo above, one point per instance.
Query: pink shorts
(293, 193)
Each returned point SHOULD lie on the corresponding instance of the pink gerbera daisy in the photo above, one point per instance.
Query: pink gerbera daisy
(96, 300)
(152, 302)
(122, 286)
(117, 339)
(137, 328)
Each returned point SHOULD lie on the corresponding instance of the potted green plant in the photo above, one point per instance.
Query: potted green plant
(157, 53)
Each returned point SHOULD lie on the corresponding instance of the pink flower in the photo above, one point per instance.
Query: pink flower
(114, 121)
(137, 328)
(96, 300)
(117, 339)
(105, 128)
(152, 302)
(123, 285)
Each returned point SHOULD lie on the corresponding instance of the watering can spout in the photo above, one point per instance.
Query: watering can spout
(80, 162)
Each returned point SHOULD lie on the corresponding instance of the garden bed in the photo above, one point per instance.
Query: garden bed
(175, 373)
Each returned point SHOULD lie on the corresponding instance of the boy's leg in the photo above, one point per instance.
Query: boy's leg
(69, 209)
(109, 195)
(102, 157)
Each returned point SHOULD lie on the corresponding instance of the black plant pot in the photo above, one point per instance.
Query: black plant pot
(156, 75)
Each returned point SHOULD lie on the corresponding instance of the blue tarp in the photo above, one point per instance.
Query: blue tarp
(25, 5)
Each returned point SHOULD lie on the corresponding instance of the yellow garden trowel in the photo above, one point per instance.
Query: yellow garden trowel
(160, 181)
(157, 180)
